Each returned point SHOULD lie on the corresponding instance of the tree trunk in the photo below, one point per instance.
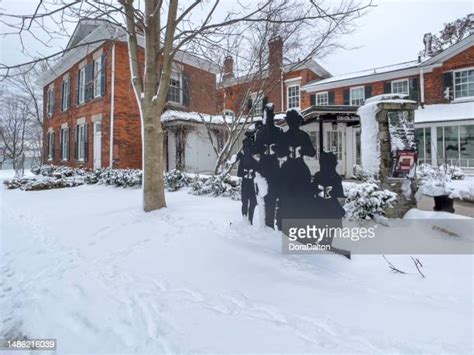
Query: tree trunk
(153, 182)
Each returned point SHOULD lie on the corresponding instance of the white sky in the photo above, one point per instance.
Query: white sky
(390, 33)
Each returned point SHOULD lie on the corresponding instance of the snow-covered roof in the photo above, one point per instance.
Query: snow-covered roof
(445, 112)
(92, 34)
(175, 115)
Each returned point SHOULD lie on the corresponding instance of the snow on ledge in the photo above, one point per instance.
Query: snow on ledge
(445, 112)
(175, 115)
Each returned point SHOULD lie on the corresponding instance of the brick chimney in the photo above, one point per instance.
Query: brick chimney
(228, 68)
(275, 53)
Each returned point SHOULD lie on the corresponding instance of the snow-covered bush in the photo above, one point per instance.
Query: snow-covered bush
(58, 171)
(116, 177)
(435, 181)
(367, 201)
(362, 175)
(218, 185)
(43, 183)
(176, 179)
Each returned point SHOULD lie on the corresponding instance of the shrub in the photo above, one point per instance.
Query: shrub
(367, 201)
(175, 179)
(43, 183)
(218, 185)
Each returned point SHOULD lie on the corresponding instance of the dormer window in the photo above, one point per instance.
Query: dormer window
(464, 83)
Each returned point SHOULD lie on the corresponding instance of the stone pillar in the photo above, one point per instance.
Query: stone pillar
(404, 187)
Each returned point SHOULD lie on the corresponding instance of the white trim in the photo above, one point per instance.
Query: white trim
(97, 79)
(82, 64)
(64, 125)
(97, 118)
(66, 76)
(180, 89)
(299, 78)
(399, 81)
(50, 130)
(81, 120)
(353, 89)
(112, 109)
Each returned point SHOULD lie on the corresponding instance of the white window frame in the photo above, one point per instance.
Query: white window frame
(65, 94)
(322, 94)
(454, 83)
(50, 98)
(180, 89)
(400, 81)
(64, 144)
(81, 142)
(257, 105)
(351, 95)
(293, 96)
(82, 85)
(98, 77)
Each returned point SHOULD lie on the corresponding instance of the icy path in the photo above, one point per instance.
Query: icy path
(86, 266)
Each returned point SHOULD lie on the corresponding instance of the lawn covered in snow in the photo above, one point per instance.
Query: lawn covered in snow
(86, 266)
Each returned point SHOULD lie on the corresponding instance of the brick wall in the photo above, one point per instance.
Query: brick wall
(127, 126)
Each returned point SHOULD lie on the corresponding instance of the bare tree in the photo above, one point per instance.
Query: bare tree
(168, 27)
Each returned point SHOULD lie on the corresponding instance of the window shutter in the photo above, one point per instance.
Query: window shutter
(86, 142)
(62, 95)
(368, 91)
(331, 98)
(78, 86)
(347, 97)
(68, 144)
(52, 145)
(89, 81)
(76, 144)
(387, 87)
(312, 99)
(414, 89)
(249, 104)
(52, 101)
(103, 76)
(448, 92)
(186, 91)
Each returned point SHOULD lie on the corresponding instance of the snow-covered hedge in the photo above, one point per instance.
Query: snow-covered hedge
(176, 179)
(43, 183)
(218, 185)
(367, 201)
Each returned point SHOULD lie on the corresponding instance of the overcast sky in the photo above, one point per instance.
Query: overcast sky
(390, 33)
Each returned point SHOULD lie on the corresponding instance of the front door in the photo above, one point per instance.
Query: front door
(97, 145)
(335, 144)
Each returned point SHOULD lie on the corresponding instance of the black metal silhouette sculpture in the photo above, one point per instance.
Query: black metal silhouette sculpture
(247, 169)
(293, 146)
(267, 138)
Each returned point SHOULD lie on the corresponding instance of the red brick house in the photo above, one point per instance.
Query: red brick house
(91, 117)
(442, 84)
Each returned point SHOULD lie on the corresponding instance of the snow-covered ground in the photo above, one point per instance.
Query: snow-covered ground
(84, 265)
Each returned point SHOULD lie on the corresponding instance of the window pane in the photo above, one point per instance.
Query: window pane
(428, 145)
(439, 145)
(451, 144)
(464, 83)
(293, 96)
(400, 87)
(466, 134)
(322, 99)
(357, 96)
(420, 141)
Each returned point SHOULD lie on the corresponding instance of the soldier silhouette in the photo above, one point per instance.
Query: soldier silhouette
(326, 189)
(267, 137)
(294, 145)
(247, 169)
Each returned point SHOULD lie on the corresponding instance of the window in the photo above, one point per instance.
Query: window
(322, 99)
(65, 95)
(357, 96)
(463, 83)
(400, 87)
(50, 100)
(455, 145)
(65, 143)
(81, 142)
(293, 93)
(81, 86)
(98, 77)
(175, 89)
(423, 140)
(257, 103)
